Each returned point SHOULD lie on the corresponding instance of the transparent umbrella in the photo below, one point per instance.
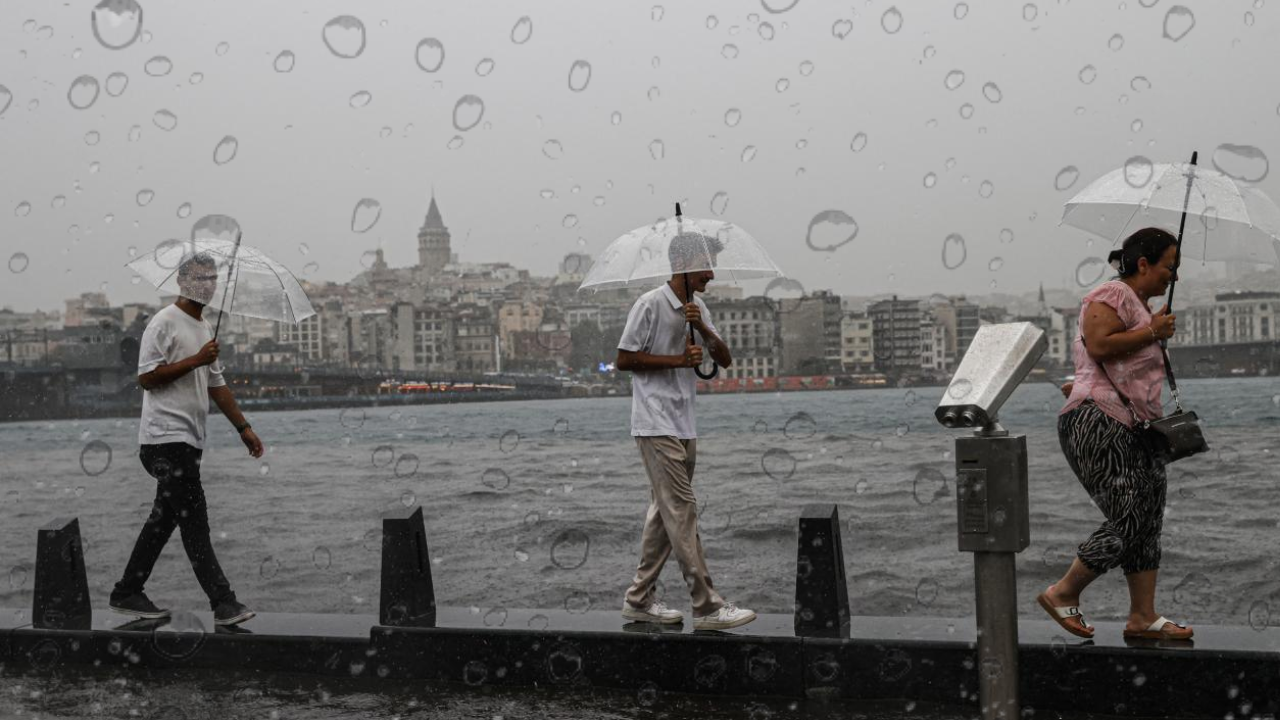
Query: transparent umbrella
(1226, 219)
(246, 282)
(680, 245)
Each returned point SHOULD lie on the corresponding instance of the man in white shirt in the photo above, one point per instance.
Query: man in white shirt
(656, 348)
(179, 372)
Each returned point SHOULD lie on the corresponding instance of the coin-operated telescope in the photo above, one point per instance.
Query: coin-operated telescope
(991, 496)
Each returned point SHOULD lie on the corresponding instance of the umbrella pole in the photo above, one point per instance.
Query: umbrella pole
(1182, 224)
(230, 266)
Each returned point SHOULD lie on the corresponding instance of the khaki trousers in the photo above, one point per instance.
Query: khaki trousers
(672, 525)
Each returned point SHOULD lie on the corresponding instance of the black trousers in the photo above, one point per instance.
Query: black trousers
(179, 503)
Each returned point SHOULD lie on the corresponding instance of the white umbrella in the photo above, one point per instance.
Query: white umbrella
(248, 281)
(1226, 219)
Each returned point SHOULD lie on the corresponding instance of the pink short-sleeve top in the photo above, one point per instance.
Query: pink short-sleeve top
(1139, 375)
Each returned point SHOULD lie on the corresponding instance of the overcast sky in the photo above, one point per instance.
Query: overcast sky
(306, 156)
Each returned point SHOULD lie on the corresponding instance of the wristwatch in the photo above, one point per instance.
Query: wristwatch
(241, 428)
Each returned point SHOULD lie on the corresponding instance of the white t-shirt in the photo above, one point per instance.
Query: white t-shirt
(662, 401)
(176, 412)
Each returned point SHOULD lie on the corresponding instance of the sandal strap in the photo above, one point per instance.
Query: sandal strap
(1158, 625)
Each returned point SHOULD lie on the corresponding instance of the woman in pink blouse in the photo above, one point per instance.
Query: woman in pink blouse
(1118, 348)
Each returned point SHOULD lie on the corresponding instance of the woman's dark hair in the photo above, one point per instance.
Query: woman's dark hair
(1150, 243)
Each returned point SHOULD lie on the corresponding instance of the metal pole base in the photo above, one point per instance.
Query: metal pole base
(995, 583)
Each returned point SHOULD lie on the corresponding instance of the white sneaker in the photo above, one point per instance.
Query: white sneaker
(655, 613)
(729, 616)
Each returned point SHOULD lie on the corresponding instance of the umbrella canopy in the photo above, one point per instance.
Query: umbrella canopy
(245, 280)
(1226, 219)
(680, 244)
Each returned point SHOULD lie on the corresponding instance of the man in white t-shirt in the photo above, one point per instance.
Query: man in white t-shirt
(179, 372)
(656, 348)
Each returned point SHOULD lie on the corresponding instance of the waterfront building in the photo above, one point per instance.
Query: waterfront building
(896, 334)
(750, 328)
(857, 343)
(810, 331)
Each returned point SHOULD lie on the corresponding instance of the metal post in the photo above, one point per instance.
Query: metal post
(997, 590)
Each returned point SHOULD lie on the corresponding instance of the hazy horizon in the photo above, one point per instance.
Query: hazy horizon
(845, 111)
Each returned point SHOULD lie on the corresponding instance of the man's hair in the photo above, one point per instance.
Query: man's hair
(190, 262)
(689, 247)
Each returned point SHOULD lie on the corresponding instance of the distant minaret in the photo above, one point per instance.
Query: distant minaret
(433, 242)
(1044, 309)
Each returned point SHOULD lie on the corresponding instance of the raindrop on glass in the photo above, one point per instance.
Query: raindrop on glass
(455, 142)
(365, 215)
(222, 49)
(961, 11)
(778, 6)
(732, 117)
(992, 93)
(196, 78)
(145, 197)
(986, 189)
(615, 118)
(553, 149)
(766, 31)
(285, 61)
(830, 230)
(226, 150)
(953, 251)
(579, 75)
(158, 66)
(484, 67)
(1066, 177)
(712, 22)
(117, 23)
(429, 55)
(782, 85)
(953, 80)
(23, 209)
(1030, 12)
(1178, 21)
(859, 142)
(6, 99)
(966, 111)
(361, 99)
(748, 153)
(840, 29)
(1088, 74)
(719, 203)
(467, 112)
(344, 36)
(1006, 236)
(657, 150)
(654, 93)
(656, 13)
(1116, 42)
(729, 51)
(1090, 271)
(891, 20)
(930, 179)
(1139, 84)
(18, 262)
(1242, 162)
(83, 92)
(806, 68)
(995, 264)
(522, 30)
(570, 221)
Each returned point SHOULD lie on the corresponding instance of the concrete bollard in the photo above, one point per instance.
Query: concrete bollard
(822, 597)
(61, 597)
(408, 596)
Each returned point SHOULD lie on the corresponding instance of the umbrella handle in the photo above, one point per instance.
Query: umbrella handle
(715, 369)
(1182, 224)
(234, 252)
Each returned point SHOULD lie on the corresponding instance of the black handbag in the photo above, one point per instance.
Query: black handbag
(1171, 437)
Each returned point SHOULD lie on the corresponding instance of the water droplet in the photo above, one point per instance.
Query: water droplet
(1242, 162)
(429, 54)
(891, 20)
(719, 203)
(766, 31)
(344, 36)
(986, 189)
(961, 11)
(732, 117)
(953, 80)
(570, 220)
(1178, 21)
(18, 262)
(1066, 177)
(145, 197)
(365, 215)
(196, 78)
(656, 13)
(23, 209)
(778, 6)
(654, 93)
(83, 92)
(58, 201)
(553, 149)
(712, 22)
(165, 120)
(657, 150)
(830, 230)
(992, 93)
(116, 84)
(840, 29)
(954, 251)
(729, 51)
(158, 66)
(1090, 271)
(995, 264)
(222, 49)
(930, 179)
(226, 150)
(117, 23)
(1030, 12)
(579, 75)
(184, 210)
(1088, 74)
(859, 142)
(782, 85)
(285, 61)
(806, 68)
(1248, 19)
(467, 112)
(455, 142)
(484, 67)
(966, 111)
(361, 99)
(748, 153)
